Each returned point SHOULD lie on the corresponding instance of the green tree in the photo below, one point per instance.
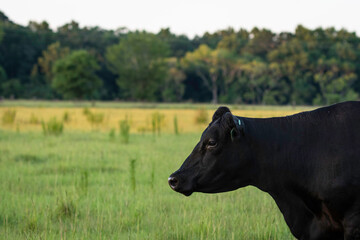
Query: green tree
(2, 79)
(235, 41)
(139, 62)
(203, 61)
(173, 88)
(217, 68)
(1, 31)
(49, 56)
(293, 64)
(335, 80)
(229, 67)
(74, 76)
(9, 88)
(179, 45)
(261, 42)
(255, 78)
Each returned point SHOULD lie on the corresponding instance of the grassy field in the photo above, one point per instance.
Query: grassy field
(85, 185)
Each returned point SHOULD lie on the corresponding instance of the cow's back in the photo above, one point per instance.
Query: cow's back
(330, 139)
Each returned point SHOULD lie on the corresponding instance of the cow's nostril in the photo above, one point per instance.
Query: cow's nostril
(173, 182)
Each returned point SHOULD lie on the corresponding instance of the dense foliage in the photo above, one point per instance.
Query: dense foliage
(319, 66)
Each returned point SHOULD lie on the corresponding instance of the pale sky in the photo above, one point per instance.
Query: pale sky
(190, 17)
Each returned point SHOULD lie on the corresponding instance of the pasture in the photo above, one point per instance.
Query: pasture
(87, 184)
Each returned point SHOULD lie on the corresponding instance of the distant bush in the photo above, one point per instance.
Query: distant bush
(53, 127)
(201, 116)
(125, 130)
(9, 116)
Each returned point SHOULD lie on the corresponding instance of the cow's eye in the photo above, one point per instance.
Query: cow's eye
(211, 143)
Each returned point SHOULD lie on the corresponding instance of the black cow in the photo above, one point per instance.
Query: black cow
(308, 162)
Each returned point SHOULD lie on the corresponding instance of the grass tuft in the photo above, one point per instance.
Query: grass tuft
(65, 208)
(52, 127)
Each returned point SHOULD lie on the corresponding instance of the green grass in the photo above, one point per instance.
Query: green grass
(80, 185)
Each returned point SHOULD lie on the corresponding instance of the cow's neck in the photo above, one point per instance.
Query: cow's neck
(271, 142)
(274, 142)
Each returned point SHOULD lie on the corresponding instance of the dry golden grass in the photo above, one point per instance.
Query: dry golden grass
(140, 118)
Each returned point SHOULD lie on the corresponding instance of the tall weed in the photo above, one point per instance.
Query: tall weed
(125, 130)
(132, 174)
(176, 126)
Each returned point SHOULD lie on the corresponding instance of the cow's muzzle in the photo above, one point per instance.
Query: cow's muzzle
(178, 184)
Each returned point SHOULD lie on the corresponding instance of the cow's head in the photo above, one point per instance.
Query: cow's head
(220, 162)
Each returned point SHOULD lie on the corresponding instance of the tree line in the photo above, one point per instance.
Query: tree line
(307, 66)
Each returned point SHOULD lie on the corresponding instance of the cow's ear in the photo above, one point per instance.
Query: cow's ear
(220, 112)
(233, 124)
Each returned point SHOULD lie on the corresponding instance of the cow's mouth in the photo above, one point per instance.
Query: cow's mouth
(187, 194)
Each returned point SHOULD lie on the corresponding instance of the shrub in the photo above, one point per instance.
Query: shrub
(9, 116)
(201, 116)
(53, 127)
